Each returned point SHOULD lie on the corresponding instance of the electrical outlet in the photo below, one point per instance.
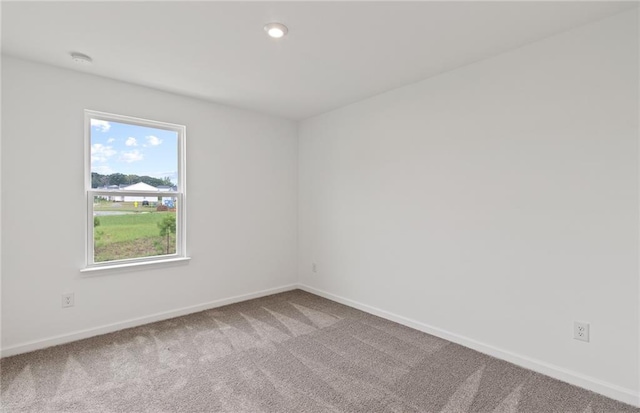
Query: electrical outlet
(581, 331)
(314, 267)
(67, 300)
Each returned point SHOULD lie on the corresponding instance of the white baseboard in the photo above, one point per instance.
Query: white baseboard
(134, 322)
(610, 390)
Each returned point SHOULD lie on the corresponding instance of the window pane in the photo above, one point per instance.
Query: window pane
(127, 226)
(124, 155)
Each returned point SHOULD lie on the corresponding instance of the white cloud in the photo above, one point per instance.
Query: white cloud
(132, 156)
(111, 140)
(100, 152)
(153, 140)
(101, 125)
(131, 141)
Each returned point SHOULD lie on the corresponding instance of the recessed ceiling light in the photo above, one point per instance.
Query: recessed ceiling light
(276, 30)
(81, 58)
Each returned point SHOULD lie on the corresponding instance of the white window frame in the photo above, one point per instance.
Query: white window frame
(180, 194)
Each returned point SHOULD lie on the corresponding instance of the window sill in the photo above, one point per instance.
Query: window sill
(132, 265)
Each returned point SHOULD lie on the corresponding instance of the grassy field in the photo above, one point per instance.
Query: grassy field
(130, 236)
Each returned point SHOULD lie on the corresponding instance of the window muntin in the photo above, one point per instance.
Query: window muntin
(135, 185)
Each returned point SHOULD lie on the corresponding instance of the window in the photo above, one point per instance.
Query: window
(135, 188)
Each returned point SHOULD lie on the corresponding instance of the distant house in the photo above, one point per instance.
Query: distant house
(113, 198)
(139, 187)
(166, 188)
(169, 201)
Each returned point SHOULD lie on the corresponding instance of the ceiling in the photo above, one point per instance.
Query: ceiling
(336, 53)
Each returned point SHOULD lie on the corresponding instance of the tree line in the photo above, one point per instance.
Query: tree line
(122, 179)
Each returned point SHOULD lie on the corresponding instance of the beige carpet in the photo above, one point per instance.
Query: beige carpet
(290, 352)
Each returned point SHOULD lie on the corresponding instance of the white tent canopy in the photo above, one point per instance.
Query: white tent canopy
(140, 186)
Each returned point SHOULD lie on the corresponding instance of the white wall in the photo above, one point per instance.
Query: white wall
(242, 205)
(497, 202)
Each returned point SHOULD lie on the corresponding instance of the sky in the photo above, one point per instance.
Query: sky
(131, 149)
